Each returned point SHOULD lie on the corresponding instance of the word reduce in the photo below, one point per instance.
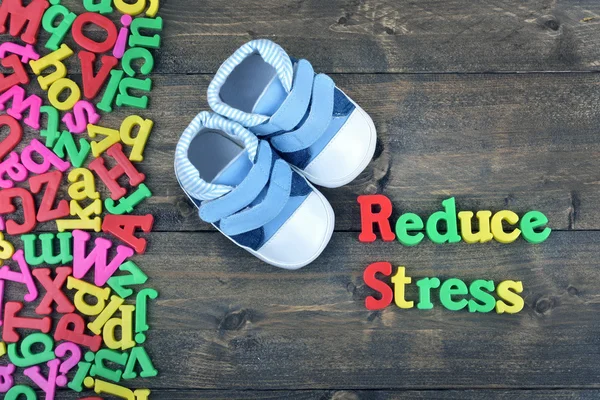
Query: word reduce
(454, 294)
(491, 226)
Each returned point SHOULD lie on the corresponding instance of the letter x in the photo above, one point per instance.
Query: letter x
(53, 290)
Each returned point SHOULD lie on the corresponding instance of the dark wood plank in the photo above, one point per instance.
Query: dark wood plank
(521, 142)
(366, 395)
(226, 320)
(384, 35)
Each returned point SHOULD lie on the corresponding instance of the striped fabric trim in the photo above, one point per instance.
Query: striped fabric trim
(273, 54)
(188, 175)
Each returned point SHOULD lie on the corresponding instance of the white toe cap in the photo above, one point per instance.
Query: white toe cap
(304, 235)
(347, 154)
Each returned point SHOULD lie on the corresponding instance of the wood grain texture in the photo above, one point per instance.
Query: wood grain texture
(520, 142)
(226, 320)
(376, 36)
(366, 395)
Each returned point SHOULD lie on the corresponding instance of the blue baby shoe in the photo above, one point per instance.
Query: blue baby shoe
(311, 123)
(250, 194)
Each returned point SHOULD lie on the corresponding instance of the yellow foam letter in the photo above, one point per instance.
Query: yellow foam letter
(466, 231)
(400, 280)
(497, 229)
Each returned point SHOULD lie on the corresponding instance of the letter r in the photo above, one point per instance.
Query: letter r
(368, 218)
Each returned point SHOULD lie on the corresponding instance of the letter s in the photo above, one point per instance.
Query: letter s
(371, 281)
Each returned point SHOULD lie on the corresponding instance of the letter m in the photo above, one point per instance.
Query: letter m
(21, 15)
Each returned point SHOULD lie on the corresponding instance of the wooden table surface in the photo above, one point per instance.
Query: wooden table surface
(494, 102)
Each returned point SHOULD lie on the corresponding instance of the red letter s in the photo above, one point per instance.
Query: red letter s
(386, 291)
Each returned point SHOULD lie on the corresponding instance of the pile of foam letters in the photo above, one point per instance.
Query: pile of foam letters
(78, 335)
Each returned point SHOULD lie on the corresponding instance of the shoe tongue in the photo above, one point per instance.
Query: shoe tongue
(235, 172)
(271, 98)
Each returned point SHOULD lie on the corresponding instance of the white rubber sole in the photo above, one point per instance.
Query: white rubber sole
(363, 164)
(329, 233)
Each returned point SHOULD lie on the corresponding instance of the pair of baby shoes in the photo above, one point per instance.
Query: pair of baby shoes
(277, 127)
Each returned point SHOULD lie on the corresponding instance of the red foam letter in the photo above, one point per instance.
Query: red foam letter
(123, 227)
(19, 76)
(12, 322)
(368, 217)
(371, 281)
(6, 207)
(14, 135)
(124, 166)
(20, 15)
(53, 291)
(91, 83)
(76, 335)
(45, 212)
(101, 22)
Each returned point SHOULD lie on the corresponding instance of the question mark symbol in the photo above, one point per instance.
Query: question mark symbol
(60, 351)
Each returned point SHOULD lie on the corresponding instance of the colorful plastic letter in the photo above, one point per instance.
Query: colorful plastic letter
(136, 277)
(84, 222)
(137, 53)
(123, 167)
(482, 301)
(370, 278)
(26, 52)
(84, 113)
(532, 221)
(47, 240)
(97, 257)
(57, 32)
(126, 324)
(48, 158)
(15, 133)
(103, 387)
(12, 322)
(19, 76)
(67, 364)
(76, 335)
(498, 230)
(6, 207)
(7, 250)
(102, 22)
(6, 377)
(20, 16)
(102, 371)
(14, 169)
(30, 357)
(102, 7)
(111, 137)
(67, 142)
(134, 9)
(53, 59)
(484, 235)
(51, 133)
(125, 99)
(17, 393)
(121, 44)
(137, 39)
(82, 371)
(400, 280)
(125, 205)
(453, 287)
(123, 227)
(87, 289)
(48, 385)
(449, 216)
(59, 87)
(510, 302)
(116, 75)
(368, 218)
(23, 277)
(139, 142)
(19, 104)
(45, 211)
(139, 356)
(409, 222)
(141, 313)
(425, 285)
(93, 83)
(84, 189)
(105, 315)
(53, 291)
